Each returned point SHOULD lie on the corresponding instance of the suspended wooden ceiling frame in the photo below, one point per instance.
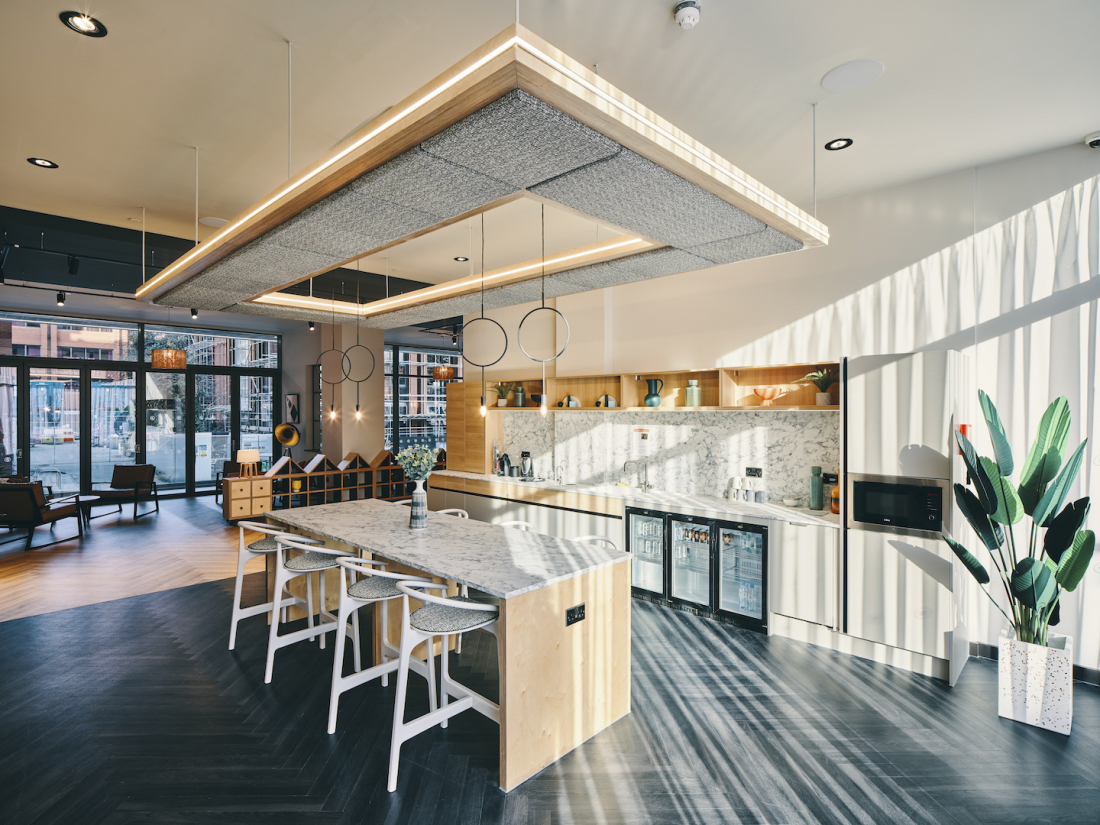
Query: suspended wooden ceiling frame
(514, 59)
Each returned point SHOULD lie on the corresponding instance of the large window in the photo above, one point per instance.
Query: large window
(44, 336)
(419, 415)
(207, 348)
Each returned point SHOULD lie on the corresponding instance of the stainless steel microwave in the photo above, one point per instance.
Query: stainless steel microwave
(895, 504)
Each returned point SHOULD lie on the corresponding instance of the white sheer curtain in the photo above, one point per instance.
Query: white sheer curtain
(1020, 298)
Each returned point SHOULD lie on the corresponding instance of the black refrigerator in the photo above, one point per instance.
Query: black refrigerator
(705, 565)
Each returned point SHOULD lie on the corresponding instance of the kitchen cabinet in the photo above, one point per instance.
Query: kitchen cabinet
(803, 571)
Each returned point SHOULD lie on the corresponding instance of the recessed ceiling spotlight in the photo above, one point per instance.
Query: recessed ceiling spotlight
(216, 223)
(855, 74)
(45, 164)
(838, 144)
(462, 259)
(83, 24)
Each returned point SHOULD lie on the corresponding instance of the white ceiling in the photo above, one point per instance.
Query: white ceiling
(513, 234)
(965, 83)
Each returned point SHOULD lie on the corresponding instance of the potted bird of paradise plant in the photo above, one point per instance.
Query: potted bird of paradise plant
(1035, 665)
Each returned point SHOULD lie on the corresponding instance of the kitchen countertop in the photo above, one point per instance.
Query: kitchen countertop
(501, 561)
(672, 502)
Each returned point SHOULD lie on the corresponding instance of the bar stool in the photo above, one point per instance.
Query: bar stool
(598, 540)
(246, 552)
(314, 559)
(454, 511)
(375, 586)
(463, 590)
(520, 525)
(438, 617)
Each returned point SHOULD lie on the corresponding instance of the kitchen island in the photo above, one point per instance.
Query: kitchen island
(559, 685)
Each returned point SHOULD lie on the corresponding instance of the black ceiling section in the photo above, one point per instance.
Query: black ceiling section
(51, 251)
(339, 284)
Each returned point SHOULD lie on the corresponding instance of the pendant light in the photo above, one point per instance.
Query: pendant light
(543, 308)
(348, 361)
(483, 320)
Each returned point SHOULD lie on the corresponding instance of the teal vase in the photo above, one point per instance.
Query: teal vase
(653, 399)
(817, 491)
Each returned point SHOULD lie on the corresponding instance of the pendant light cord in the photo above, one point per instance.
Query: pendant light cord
(815, 159)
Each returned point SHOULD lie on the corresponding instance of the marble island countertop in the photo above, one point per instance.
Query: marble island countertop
(501, 561)
(671, 502)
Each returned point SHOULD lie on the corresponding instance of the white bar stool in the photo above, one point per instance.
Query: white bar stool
(598, 540)
(453, 511)
(314, 559)
(245, 553)
(375, 586)
(438, 617)
(520, 525)
(463, 590)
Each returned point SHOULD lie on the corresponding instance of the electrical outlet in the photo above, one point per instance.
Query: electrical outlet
(754, 472)
(574, 614)
(829, 478)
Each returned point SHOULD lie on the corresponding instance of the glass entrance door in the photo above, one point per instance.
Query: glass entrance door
(9, 422)
(213, 426)
(113, 421)
(257, 416)
(55, 428)
(166, 427)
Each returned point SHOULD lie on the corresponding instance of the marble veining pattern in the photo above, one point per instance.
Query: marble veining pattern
(694, 453)
(501, 561)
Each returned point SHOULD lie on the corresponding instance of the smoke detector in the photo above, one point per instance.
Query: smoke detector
(1093, 140)
(686, 13)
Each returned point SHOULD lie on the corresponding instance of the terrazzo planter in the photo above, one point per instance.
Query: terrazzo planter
(418, 515)
(1036, 682)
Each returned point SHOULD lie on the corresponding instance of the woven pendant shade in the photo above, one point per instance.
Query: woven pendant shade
(169, 359)
(443, 373)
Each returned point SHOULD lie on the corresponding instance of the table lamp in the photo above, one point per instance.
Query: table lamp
(248, 459)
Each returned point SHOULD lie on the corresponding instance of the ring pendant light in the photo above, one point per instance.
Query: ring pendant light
(483, 319)
(348, 363)
(343, 368)
(544, 308)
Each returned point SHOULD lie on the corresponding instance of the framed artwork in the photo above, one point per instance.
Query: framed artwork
(292, 409)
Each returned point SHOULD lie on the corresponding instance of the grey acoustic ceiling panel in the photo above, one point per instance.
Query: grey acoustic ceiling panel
(637, 194)
(757, 245)
(655, 264)
(252, 269)
(291, 313)
(520, 140)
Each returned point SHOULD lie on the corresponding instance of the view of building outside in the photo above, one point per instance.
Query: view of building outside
(206, 348)
(43, 337)
(421, 408)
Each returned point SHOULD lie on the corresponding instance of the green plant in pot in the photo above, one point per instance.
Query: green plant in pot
(1058, 552)
(823, 379)
(502, 391)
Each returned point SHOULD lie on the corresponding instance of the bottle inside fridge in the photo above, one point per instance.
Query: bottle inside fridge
(647, 543)
(691, 561)
(741, 586)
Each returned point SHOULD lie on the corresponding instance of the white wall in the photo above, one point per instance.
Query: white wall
(904, 270)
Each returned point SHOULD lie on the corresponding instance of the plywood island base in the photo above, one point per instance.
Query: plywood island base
(559, 685)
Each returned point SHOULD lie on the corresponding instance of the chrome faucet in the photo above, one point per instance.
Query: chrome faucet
(559, 473)
(646, 487)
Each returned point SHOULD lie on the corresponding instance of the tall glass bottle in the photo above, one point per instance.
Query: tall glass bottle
(817, 491)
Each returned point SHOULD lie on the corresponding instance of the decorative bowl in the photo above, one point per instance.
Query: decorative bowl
(792, 502)
(536, 399)
(767, 394)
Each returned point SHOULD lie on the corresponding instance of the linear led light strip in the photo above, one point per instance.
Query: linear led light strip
(657, 128)
(290, 186)
(377, 307)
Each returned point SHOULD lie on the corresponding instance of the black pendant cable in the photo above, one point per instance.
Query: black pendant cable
(543, 308)
(483, 319)
(348, 363)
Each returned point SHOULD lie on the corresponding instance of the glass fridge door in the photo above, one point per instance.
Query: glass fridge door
(741, 582)
(690, 561)
(647, 543)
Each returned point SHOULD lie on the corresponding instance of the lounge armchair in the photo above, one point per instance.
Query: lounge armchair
(23, 506)
(130, 482)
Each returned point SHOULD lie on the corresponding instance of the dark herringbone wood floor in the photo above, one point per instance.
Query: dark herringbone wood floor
(133, 711)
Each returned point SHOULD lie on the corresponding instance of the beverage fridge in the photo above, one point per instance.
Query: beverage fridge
(701, 563)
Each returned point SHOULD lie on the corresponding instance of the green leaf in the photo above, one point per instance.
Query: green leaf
(1033, 583)
(1009, 509)
(1046, 453)
(1001, 448)
(978, 476)
(977, 570)
(1064, 527)
(990, 533)
(1056, 493)
(1075, 561)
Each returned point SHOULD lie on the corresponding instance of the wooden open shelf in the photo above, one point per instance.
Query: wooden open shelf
(326, 483)
(724, 389)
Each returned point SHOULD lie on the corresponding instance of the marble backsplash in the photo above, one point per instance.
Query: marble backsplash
(692, 452)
